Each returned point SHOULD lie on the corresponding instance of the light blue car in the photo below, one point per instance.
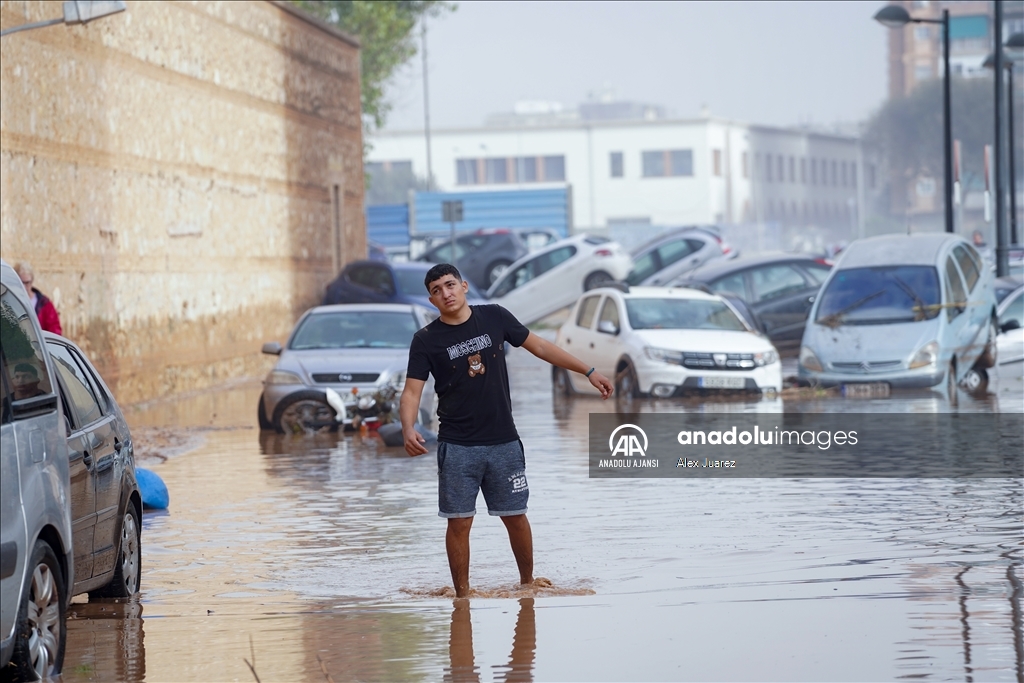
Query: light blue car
(903, 311)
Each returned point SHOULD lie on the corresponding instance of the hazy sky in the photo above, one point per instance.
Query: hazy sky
(766, 62)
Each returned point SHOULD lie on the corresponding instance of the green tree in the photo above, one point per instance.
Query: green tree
(386, 33)
(908, 130)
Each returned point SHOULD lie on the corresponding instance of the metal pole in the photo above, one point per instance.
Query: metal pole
(29, 27)
(452, 243)
(426, 112)
(947, 123)
(1014, 235)
(1002, 255)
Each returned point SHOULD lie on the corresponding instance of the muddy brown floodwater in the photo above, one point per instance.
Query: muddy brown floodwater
(309, 557)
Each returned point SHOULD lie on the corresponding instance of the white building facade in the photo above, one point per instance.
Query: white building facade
(662, 172)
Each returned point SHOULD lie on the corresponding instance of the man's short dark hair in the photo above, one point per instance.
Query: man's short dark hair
(438, 272)
(26, 367)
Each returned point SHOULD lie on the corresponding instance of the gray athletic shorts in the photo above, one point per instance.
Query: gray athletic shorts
(500, 471)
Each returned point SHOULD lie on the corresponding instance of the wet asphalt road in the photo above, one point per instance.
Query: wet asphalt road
(308, 557)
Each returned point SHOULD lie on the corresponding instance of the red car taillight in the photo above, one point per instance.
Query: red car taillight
(603, 252)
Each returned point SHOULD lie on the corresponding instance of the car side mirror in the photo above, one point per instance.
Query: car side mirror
(607, 327)
(272, 348)
(1010, 325)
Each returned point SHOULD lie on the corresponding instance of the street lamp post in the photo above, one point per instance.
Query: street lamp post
(990, 63)
(75, 12)
(895, 16)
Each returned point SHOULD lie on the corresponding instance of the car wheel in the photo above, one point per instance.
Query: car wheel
(627, 389)
(596, 279)
(975, 380)
(261, 416)
(989, 357)
(951, 388)
(495, 270)
(128, 569)
(560, 383)
(41, 632)
(305, 412)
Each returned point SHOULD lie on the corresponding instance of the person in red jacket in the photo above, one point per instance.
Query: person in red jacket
(45, 310)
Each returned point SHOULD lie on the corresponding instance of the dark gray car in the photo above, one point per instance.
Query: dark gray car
(482, 256)
(106, 506)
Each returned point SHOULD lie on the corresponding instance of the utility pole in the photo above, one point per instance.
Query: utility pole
(426, 106)
(1002, 254)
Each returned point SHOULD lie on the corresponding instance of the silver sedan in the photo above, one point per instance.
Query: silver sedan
(343, 365)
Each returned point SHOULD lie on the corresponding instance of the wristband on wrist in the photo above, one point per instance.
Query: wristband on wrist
(589, 373)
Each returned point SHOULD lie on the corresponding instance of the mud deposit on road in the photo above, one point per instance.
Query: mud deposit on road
(325, 554)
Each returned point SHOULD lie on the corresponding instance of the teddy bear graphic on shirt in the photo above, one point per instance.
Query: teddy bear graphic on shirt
(476, 365)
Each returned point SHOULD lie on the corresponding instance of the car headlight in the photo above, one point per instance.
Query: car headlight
(766, 358)
(809, 361)
(927, 355)
(664, 355)
(283, 377)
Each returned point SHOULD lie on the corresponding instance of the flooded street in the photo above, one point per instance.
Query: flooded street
(324, 556)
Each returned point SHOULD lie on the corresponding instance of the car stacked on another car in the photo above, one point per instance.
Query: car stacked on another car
(379, 282)
(554, 277)
(671, 254)
(779, 288)
(665, 342)
(480, 256)
(910, 311)
(356, 354)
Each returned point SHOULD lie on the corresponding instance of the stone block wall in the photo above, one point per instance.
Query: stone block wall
(185, 177)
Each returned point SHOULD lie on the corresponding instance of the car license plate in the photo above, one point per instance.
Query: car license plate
(867, 390)
(721, 382)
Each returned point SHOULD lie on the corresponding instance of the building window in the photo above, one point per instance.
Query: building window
(803, 171)
(716, 162)
(781, 168)
(496, 171)
(746, 166)
(554, 169)
(922, 34)
(505, 170)
(615, 159)
(526, 169)
(922, 72)
(835, 173)
(664, 163)
(465, 172)
(871, 176)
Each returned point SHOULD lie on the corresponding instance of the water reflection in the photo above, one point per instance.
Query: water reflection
(463, 668)
(106, 641)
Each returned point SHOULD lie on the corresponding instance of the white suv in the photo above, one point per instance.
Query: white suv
(665, 342)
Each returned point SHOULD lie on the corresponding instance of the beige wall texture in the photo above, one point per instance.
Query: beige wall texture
(185, 177)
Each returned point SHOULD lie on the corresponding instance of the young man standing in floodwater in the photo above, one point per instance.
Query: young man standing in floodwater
(478, 446)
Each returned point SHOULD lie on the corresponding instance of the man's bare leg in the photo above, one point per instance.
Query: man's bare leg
(520, 536)
(456, 541)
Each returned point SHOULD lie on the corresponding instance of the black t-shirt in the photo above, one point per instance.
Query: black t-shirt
(470, 376)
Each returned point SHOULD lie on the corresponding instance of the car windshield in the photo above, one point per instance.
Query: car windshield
(410, 283)
(880, 295)
(681, 314)
(355, 330)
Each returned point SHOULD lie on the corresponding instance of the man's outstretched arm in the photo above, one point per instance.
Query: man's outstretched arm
(547, 351)
(408, 411)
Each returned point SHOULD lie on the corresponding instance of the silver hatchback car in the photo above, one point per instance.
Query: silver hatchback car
(36, 550)
(343, 365)
(908, 311)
